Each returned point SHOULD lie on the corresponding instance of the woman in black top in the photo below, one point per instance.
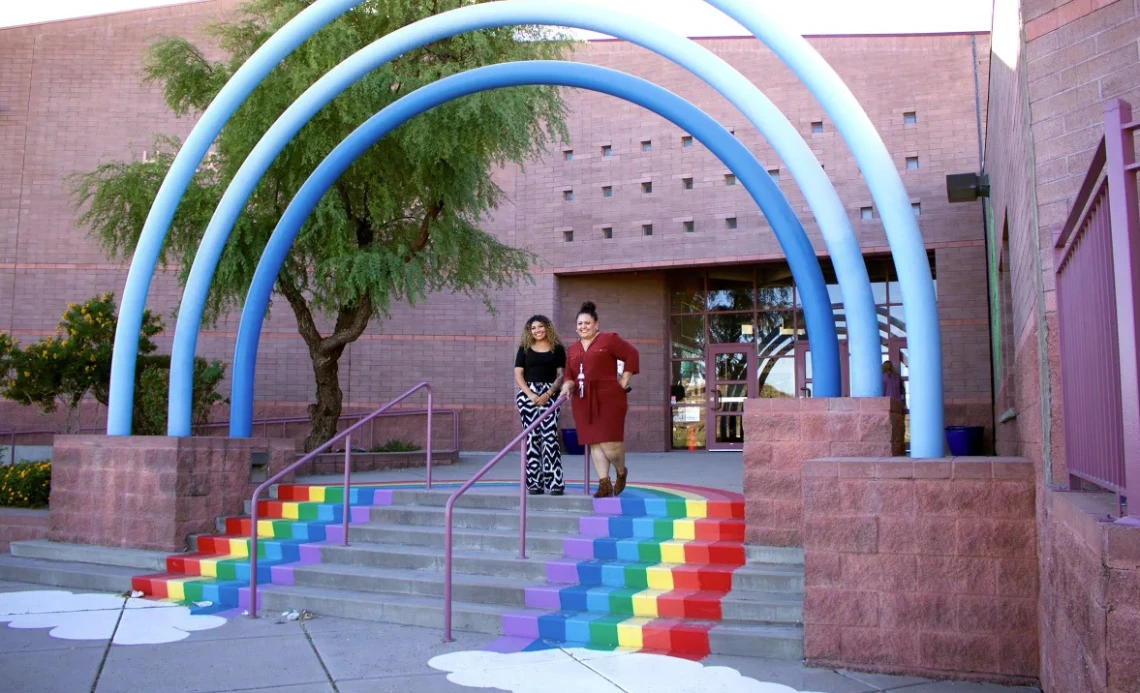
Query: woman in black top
(538, 374)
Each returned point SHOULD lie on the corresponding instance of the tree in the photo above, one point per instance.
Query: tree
(400, 223)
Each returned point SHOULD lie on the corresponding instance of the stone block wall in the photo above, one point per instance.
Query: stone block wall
(783, 433)
(147, 492)
(19, 524)
(924, 567)
(1090, 596)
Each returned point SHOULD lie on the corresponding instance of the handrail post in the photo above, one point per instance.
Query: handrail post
(447, 569)
(347, 481)
(253, 555)
(428, 443)
(586, 483)
(522, 499)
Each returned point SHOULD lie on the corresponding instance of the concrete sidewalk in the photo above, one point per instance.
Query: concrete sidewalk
(331, 655)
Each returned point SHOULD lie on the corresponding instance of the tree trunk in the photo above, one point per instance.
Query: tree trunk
(323, 415)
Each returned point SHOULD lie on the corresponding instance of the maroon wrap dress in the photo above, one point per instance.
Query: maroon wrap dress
(600, 414)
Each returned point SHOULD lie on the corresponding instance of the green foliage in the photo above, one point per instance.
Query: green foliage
(152, 393)
(25, 485)
(395, 445)
(76, 361)
(63, 368)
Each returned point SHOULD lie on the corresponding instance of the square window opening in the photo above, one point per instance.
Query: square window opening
(817, 127)
(568, 236)
(686, 183)
(689, 227)
(608, 232)
(647, 229)
(729, 179)
(774, 173)
(916, 207)
(730, 223)
(910, 118)
(607, 191)
(912, 163)
(568, 195)
(607, 150)
(568, 155)
(647, 145)
(687, 141)
(866, 213)
(647, 187)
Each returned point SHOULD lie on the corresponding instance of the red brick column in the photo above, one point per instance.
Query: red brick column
(19, 524)
(146, 492)
(925, 567)
(783, 433)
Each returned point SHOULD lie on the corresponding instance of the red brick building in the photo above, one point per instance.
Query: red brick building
(71, 97)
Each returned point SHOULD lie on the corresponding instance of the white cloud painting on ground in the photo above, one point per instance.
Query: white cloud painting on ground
(588, 671)
(128, 621)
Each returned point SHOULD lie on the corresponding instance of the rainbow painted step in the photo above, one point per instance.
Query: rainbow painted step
(648, 571)
(289, 529)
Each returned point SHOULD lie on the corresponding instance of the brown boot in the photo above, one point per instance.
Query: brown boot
(619, 483)
(605, 489)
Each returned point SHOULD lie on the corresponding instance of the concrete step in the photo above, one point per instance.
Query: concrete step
(474, 518)
(96, 555)
(478, 589)
(774, 554)
(572, 502)
(382, 607)
(768, 577)
(69, 574)
(398, 557)
(752, 640)
(482, 539)
(773, 608)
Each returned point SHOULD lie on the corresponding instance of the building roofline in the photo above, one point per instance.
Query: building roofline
(609, 39)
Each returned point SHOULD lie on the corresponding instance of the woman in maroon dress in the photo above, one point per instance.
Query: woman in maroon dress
(598, 395)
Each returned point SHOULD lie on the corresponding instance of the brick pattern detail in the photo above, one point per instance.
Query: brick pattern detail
(19, 524)
(1090, 597)
(924, 567)
(151, 492)
(783, 433)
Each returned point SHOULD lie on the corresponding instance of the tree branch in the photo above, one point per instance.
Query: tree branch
(425, 228)
(305, 324)
(351, 321)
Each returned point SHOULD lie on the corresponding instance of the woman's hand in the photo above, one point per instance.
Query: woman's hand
(567, 388)
(536, 400)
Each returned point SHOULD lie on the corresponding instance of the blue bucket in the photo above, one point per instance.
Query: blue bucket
(570, 438)
(965, 441)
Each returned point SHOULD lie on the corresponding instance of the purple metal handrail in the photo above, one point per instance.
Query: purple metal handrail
(347, 435)
(1097, 258)
(447, 532)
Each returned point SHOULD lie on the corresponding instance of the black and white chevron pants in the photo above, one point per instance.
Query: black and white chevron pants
(543, 457)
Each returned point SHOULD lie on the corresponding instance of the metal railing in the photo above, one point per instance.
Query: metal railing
(1097, 266)
(347, 436)
(519, 440)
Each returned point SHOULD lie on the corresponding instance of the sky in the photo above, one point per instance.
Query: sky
(688, 17)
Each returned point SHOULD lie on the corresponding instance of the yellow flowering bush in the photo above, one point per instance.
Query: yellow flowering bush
(25, 485)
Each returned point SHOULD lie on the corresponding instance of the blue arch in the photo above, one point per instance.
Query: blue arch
(801, 257)
(841, 240)
(920, 305)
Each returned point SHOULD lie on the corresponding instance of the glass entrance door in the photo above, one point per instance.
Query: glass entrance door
(731, 368)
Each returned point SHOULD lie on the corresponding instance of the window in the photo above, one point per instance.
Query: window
(647, 187)
(647, 229)
(817, 127)
(732, 131)
(568, 195)
(687, 141)
(730, 223)
(774, 173)
(729, 179)
(647, 145)
(607, 150)
(912, 163)
(607, 191)
(910, 118)
(916, 207)
(866, 213)
(568, 155)
(686, 183)
(608, 232)
(689, 227)
(568, 236)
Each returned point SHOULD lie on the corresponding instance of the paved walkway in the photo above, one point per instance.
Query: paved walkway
(74, 645)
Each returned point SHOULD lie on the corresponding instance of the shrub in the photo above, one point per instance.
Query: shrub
(396, 446)
(152, 391)
(25, 485)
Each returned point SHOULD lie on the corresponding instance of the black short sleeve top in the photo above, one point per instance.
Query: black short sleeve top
(540, 366)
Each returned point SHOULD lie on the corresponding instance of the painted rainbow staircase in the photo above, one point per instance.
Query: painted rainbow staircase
(662, 568)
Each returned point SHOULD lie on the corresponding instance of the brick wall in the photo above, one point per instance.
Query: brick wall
(784, 433)
(925, 567)
(19, 524)
(72, 98)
